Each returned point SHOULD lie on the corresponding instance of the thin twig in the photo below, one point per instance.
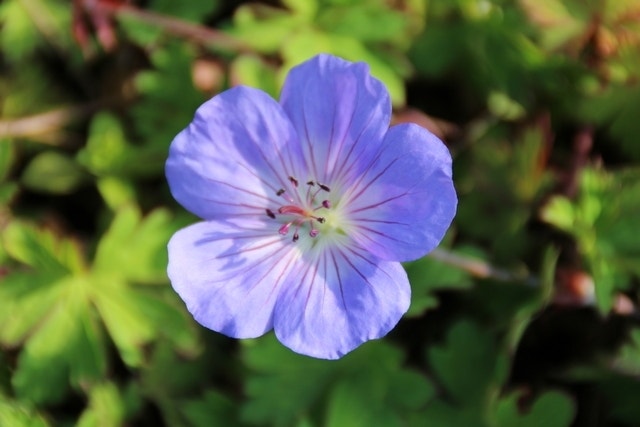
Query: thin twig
(49, 121)
(479, 268)
(204, 35)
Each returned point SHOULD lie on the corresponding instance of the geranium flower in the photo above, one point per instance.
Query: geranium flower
(308, 206)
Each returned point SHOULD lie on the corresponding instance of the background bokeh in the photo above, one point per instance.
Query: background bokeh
(527, 314)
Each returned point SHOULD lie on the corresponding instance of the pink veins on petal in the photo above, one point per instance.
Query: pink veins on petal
(308, 206)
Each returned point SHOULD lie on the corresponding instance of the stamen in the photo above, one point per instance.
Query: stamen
(285, 228)
(302, 210)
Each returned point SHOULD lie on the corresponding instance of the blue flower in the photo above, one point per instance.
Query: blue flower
(308, 206)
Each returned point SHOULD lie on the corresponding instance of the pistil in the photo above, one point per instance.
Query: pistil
(301, 214)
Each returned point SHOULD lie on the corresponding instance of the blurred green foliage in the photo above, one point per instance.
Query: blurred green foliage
(526, 316)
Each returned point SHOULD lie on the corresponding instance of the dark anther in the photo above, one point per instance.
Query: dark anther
(311, 183)
(324, 187)
(293, 181)
(295, 237)
(280, 192)
(270, 214)
(326, 204)
(320, 220)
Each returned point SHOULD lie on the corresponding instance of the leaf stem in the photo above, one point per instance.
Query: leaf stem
(201, 34)
(479, 268)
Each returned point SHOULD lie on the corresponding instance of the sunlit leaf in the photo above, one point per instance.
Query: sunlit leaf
(18, 414)
(53, 172)
(136, 246)
(105, 407)
(64, 347)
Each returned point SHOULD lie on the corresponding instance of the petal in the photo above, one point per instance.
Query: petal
(230, 276)
(234, 156)
(340, 300)
(340, 112)
(401, 208)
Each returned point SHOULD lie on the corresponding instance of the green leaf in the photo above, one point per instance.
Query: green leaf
(136, 246)
(105, 409)
(129, 328)
(41, 249)
(191, 11)
(367, 22)
(117, 192)
(265, 29)
(559, 212)
(19, 414)
(252, 71)
(25, 299)
(628, 360)
(552, 409)
(469, 365)
(560, 22)
(371, 376)
(213, 408)
(357, 404)
(19, 36)
(617, 108)
(603, 220)
(53, 172)
(66, 346)
(157, 115)
(26, 25)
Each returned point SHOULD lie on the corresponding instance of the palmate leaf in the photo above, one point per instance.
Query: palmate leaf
(469, 365)
(60, 309)
(135, 246)
(157, 115)
(108, 153)
(67, 348)
(106, 407)
(213, 408)
(133, 250)
(472, 366)
(18, 414)
(551, 409)
(370, 377)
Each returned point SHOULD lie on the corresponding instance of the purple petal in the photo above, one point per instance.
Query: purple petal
(402, 206)
(340, 112)
(234, 156)
(230, 276)
(339, 300)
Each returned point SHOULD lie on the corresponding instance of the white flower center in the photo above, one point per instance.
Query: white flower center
(310, 211)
